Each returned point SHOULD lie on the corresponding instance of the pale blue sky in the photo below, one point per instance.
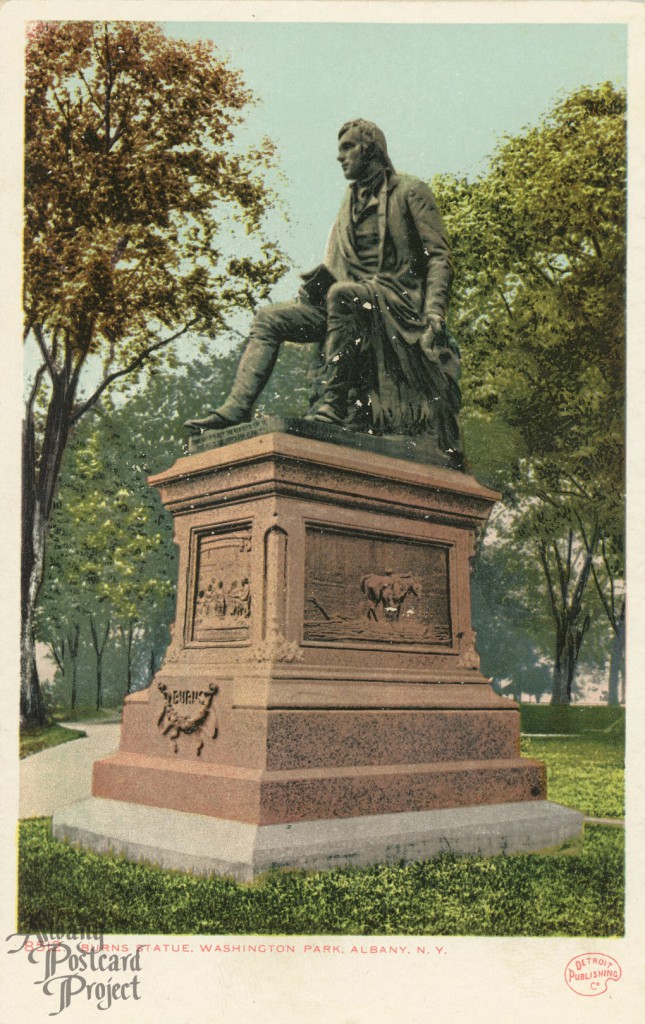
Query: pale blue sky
(443, 94)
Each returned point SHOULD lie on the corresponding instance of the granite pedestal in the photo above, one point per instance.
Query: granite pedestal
(321, 700)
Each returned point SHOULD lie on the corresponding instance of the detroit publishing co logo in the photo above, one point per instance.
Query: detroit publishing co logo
(589, 974)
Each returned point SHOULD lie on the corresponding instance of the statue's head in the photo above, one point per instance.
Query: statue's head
(362, 149)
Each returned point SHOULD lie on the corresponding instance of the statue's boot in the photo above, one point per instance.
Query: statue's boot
(336, 376)
(252, 375)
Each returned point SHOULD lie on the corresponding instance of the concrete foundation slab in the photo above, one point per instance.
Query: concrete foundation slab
(206, 845)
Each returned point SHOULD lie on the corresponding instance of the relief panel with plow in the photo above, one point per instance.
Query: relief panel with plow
(367, 589)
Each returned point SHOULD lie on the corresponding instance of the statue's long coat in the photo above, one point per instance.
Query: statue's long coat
(413, 390)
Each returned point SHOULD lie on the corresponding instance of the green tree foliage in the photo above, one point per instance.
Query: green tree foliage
(111, 565)
(539, 247)
(132, 178)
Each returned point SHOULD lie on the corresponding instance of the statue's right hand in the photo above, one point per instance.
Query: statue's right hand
(436, 328)
(433, 337)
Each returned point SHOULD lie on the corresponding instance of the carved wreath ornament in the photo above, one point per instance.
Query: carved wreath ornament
(187, 712)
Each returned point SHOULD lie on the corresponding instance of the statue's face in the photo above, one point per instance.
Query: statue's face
(352, 155)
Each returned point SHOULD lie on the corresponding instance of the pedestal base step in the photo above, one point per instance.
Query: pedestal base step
(205, 845)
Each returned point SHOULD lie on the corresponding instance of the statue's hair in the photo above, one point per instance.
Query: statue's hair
(370, 135)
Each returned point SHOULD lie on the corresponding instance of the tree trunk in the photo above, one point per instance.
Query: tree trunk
(73, 693)
(32, 707)
(128, 648)
(99, 648)
(566, 662)
(616, 659)
(39, 477)
(571, 665)
(559, 694)
(566, 607)
(72, 645)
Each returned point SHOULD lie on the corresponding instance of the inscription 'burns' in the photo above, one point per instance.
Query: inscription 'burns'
(188, 712)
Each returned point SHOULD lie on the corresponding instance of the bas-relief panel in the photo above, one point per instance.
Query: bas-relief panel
(223, 599)
(376, 589)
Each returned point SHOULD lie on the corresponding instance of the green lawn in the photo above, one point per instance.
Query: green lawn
(585, 772)
(572, 718)
(39, 737)
(584, 755)
(88, 713)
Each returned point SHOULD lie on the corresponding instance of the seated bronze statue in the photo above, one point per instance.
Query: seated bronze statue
(376, 308)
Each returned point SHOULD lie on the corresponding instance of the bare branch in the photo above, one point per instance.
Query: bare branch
(563, 575)
(90, 93)
(34, 391)
(609, 612)
(28, 327)
(582, 529)
(73, 639)
(64, 110)
(123, 123)
(576, 483)
(610, 574)
(542, 274)
(505, 301)
(581, 583)
(59, 656)
(569, 553)
(549, 579)
(134, 364)
(576, 600)
(547, 498)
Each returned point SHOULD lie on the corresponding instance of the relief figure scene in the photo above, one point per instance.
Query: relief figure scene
(223, 588)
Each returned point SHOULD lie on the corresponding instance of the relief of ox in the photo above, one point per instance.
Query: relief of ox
(389, 589)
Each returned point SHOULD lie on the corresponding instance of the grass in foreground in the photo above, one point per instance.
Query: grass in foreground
(63, 889)
(40, 737)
